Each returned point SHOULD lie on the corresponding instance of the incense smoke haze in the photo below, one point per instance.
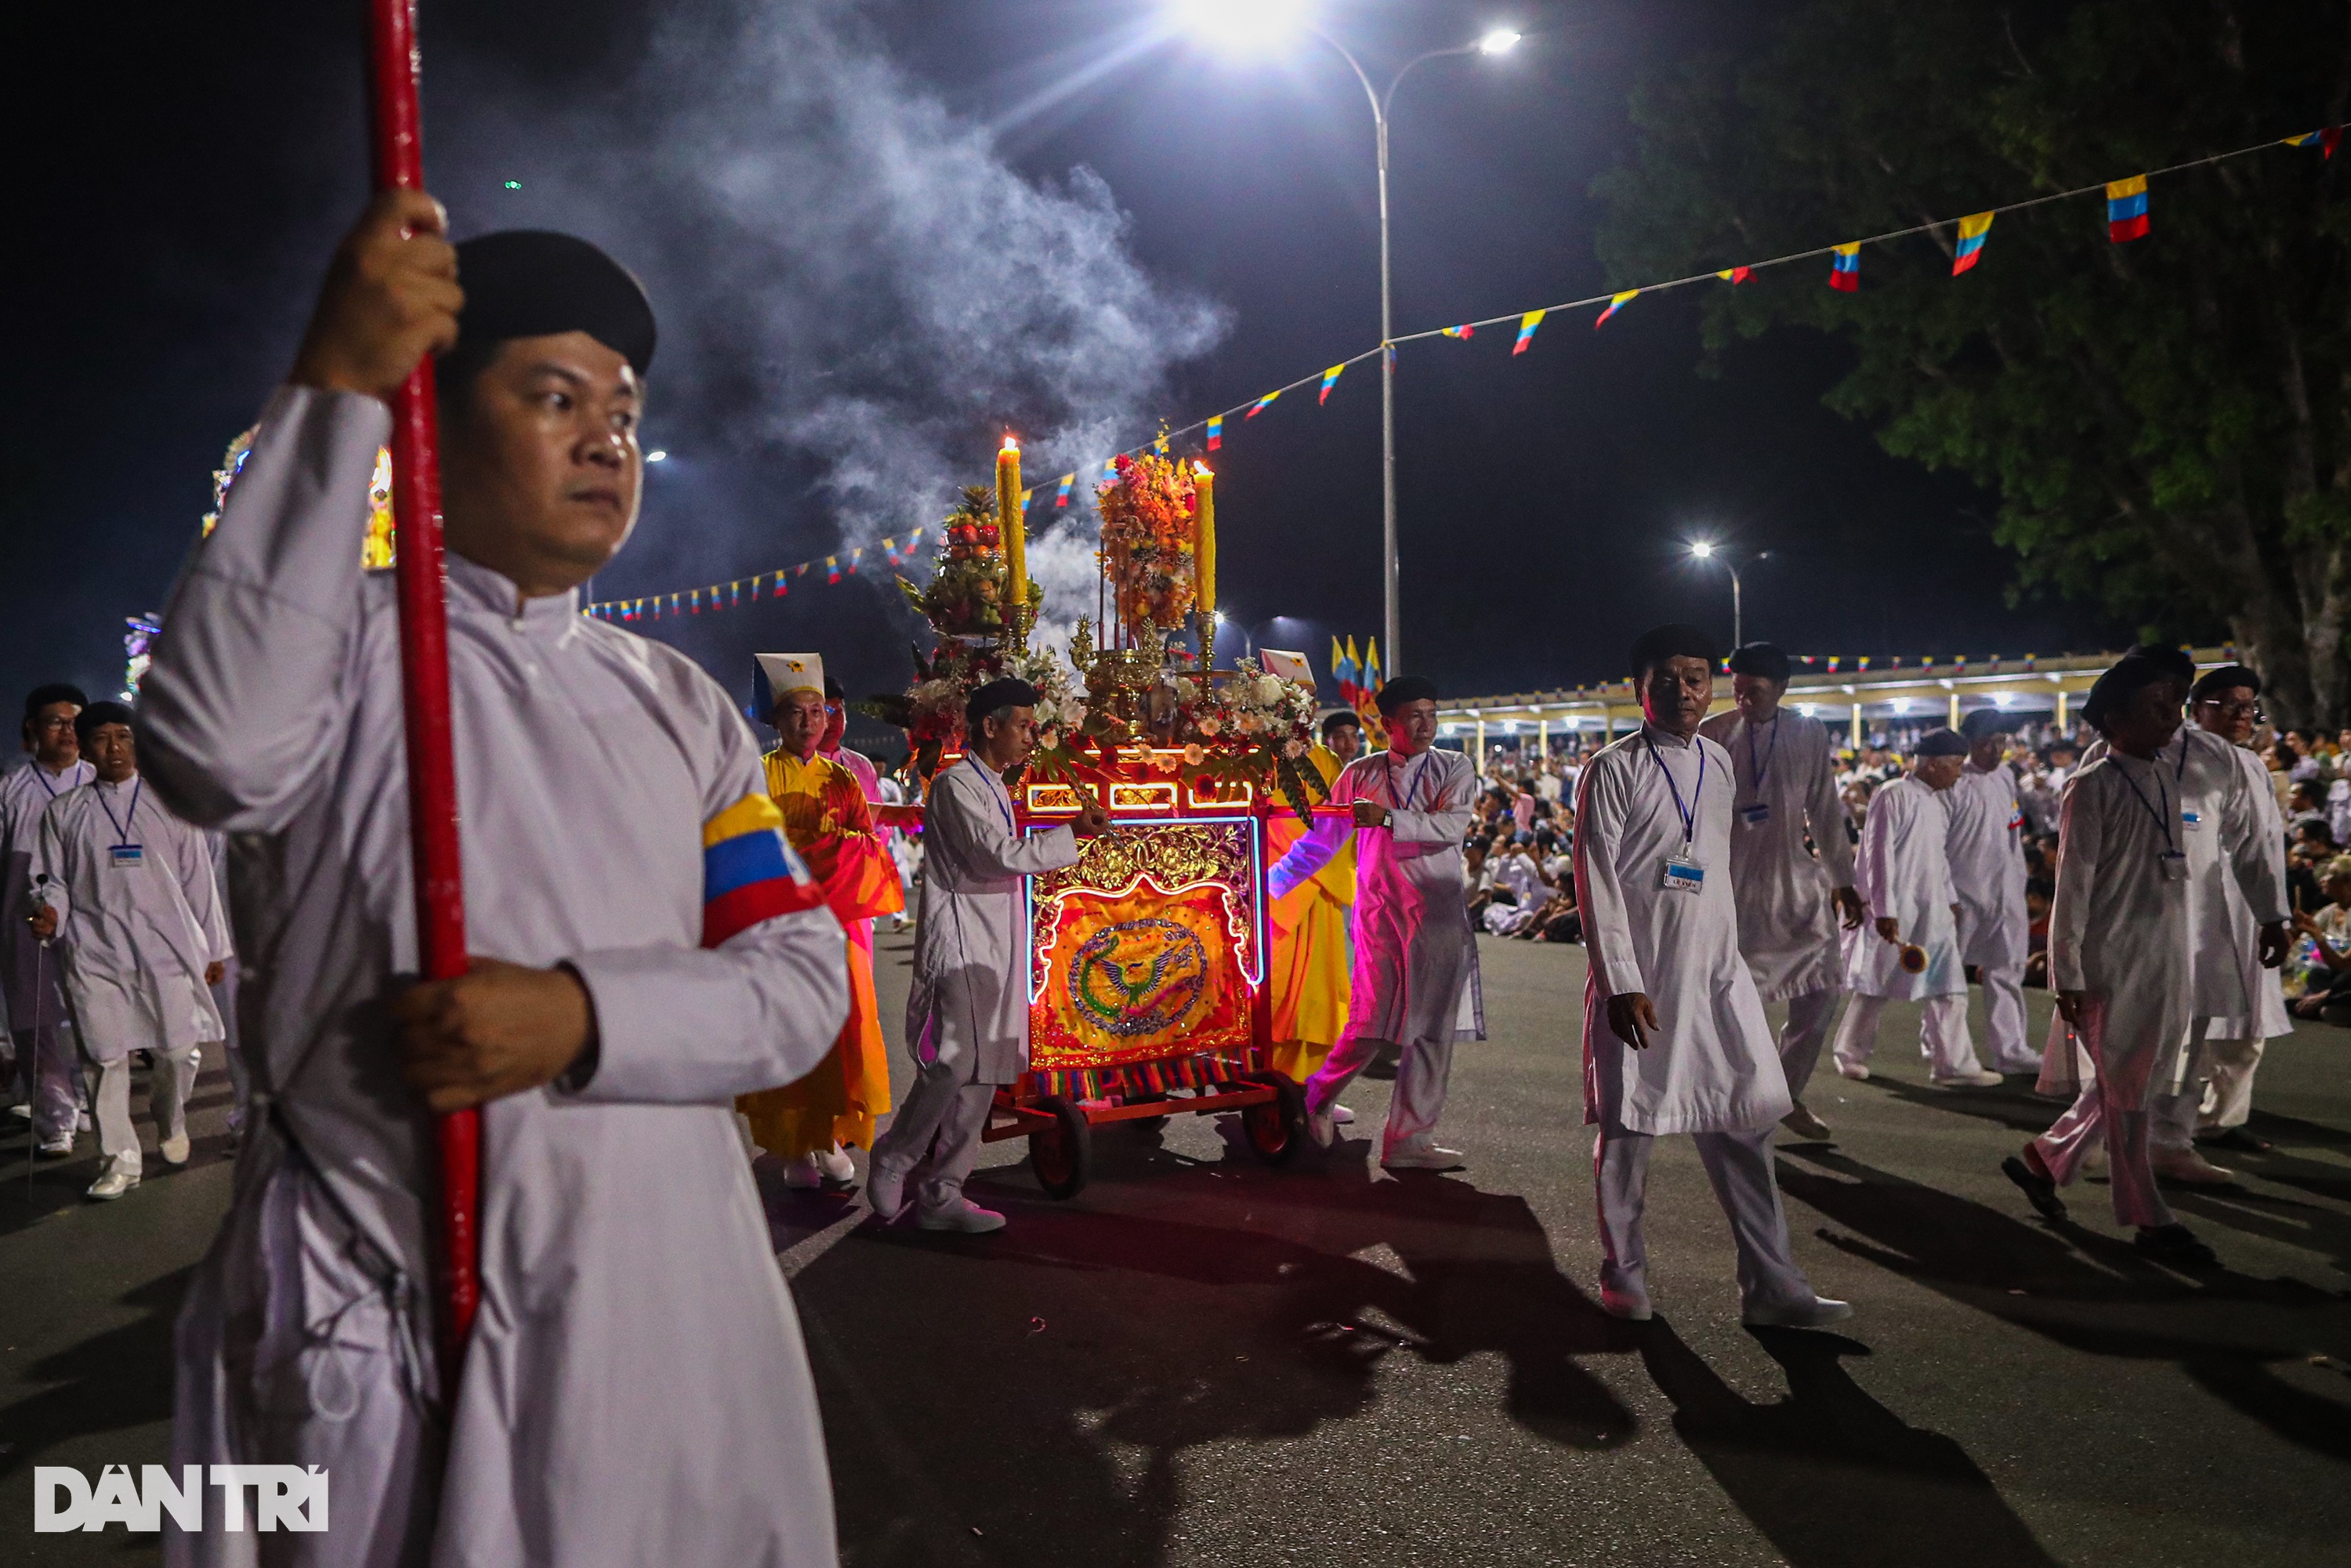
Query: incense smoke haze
(851, 284)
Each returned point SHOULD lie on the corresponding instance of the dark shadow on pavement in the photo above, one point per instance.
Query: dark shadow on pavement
(1831, 1476)
(2091, 1292)
(118, 1379)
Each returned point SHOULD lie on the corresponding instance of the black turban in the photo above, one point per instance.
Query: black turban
(40, 697)
(86, 723)
(529, 283)
(1942, 743)
(2214, 682)
(1987, 721)
(1008, 691)
(1765, 659)
(832, 690)
(1676, 641)
(2132, 673)
(1404, 689)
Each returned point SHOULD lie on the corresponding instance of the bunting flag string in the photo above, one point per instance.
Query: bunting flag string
(1973, 230)
(2127, 220)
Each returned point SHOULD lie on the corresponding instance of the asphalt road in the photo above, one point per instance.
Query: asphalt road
(1204, 1361)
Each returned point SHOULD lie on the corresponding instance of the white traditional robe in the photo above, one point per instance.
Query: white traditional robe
(635, 1391)
(1414, 975)
(1986, 848)
(1903, 871)
(134, 940)
(972, 941)
(1712, 1066)
(2235, 995)
(2123, 932)
(31, 982)
(1785, 779)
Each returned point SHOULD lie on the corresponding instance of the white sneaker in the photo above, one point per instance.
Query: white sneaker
(1817, 1312)
(885, 1191)
(964, 1216)
(82, 1122)
(1625, 1304)
(1856, 1070)
(1982, 1078)
(119, 1177)
(1804, 1124)
(1421, 1156)
(1322, 1129)
(803, 1174)
(833, 1164)
(176, 1150)
(1341, 1115)
(21, 1110)
(2188, 1166)
(59, 1147)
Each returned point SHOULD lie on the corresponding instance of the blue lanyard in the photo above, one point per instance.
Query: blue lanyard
(41, 778)
(1689, 812)
(2161, 821)
(1758, 768)
(1419, 771)
(1003, 807)
(121, 833)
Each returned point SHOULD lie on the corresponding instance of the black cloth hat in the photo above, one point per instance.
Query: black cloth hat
(1676, 640)
(531, 283)
(86, 723)
(1942, 743)
(1009, 691)
(40, 697)
(2176, 662)
(1987, 721)
(1404, 689)
(2132, 673)
(1765, 659)
(1345, 716)
(832, 690)
(2212, 683)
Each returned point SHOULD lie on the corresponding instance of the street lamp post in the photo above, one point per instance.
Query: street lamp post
(1705, 552)
(1258, 19)
(1497, 42)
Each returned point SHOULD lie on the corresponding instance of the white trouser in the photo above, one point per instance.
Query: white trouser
(45, 1071)
(1418, 1101)
(1738, 1164)
(1806, 1031)
(240, 1082)
(2227, 1097)
(2065, 1146)
(168, 1087)
(1943, 1037)
(943, 1115)
(2004, 1033)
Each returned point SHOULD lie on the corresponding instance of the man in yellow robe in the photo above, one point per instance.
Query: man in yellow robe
(807, 1123)
(1310, 961)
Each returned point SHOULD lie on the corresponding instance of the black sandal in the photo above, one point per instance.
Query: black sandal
(2039, 1190)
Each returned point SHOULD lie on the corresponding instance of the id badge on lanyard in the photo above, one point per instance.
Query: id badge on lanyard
(2175, 866)
(1756, 815)
(123, 857)
(1684, 873)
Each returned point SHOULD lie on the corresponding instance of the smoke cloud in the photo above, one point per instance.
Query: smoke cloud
(855, 290)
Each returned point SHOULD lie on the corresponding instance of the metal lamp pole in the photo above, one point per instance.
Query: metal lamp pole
(1492, 44)
(1705, 552)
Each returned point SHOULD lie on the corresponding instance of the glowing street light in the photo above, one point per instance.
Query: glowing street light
(1704, 550)
(656, 455)
(1257, 23)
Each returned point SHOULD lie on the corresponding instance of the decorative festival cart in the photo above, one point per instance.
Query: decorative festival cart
(1149, 959)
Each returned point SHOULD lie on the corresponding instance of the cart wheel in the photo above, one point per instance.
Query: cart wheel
(1063, 1157)
(1277, 1128)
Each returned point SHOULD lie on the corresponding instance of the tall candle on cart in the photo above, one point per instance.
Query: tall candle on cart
(1014, 535)
(1204, 535)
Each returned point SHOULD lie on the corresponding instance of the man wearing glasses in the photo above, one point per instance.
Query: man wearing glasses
(2225, 702)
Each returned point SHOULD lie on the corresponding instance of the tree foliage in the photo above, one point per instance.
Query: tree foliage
(2167, 422)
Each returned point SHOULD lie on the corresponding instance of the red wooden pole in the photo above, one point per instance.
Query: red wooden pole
(399, 159)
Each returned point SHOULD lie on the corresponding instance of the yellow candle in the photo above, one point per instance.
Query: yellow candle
(1204, 535)
(1014, 537)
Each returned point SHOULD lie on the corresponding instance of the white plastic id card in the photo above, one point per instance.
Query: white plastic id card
(1683, 874)
(123, 857)
(1757, 814)
(2190, 818)
(2175, 866)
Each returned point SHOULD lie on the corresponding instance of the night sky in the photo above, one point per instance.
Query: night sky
(189, 174)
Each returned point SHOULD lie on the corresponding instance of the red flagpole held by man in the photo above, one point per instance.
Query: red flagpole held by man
(399, 160)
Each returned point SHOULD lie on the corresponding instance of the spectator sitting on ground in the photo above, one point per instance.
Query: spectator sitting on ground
(2329, 996)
